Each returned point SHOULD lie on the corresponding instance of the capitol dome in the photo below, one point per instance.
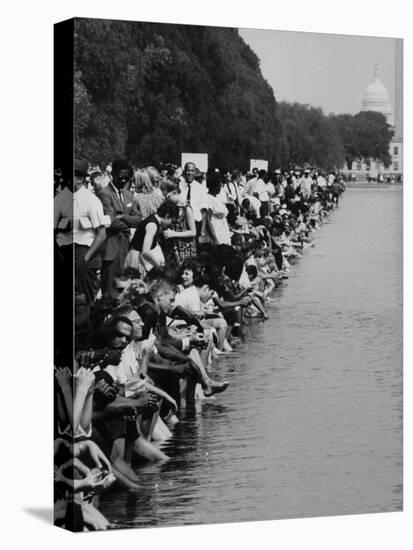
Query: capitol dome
(376, 98)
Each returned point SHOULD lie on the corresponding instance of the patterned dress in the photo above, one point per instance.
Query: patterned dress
(176, 249)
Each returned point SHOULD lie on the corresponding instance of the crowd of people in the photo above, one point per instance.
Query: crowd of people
(170, 266)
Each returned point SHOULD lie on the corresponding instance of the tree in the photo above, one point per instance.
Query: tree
(149, 91)
(365, 136)
(308, 137)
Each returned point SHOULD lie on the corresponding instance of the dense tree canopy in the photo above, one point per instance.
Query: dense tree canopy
(149, 91)
(365, 135)
(308, 137)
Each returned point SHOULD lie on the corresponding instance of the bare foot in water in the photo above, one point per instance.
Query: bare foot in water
(215, 387)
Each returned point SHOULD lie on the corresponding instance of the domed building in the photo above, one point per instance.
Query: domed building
(377, 99)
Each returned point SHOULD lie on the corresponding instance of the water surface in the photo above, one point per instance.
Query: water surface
(312, 422)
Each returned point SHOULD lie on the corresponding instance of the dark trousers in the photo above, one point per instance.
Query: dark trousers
(113, 268)
(264, 209)
(198, 226)
(85, 273)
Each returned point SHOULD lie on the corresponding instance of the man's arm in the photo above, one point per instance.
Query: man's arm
(117, 224)
(133, 218)
(100, 237)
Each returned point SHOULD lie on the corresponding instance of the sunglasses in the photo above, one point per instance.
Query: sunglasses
(120, 289)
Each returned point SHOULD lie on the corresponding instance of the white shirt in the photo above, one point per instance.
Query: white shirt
(83, 210)
(256, 205)
(270, 188)
(189, 299)
(232, 192)
(127, 368)
(248, 185)
(260, 188)
(321, 181)
(198, 194)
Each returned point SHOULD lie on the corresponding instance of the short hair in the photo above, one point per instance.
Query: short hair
(102, 336)
(235, 174)
(114, 321)
(188, 163)
(169, 209)
(161, 286)
(123, 310)
(168, 186)
(148, 315)
(252, 270)
(234, 267)
(214, 182)
(121, 164)
(202, 280)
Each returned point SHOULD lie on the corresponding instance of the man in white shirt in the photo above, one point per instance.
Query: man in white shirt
(258, 189)
(305, 185)
(194, 193)
(321, 181)
(79, 225)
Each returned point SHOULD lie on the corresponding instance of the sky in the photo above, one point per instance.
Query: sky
(324, 70)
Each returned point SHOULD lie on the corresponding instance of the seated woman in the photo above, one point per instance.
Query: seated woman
(195, 294)
(146, 252)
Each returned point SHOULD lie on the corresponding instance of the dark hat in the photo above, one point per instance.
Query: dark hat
(81, 167)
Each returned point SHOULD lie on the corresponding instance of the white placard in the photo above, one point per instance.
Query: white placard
(260, 164)
(199, 159)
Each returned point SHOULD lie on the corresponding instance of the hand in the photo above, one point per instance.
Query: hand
(153, 401)
(95, 453)
(60, 475)
(120, 216)
(198, 339)
(246, 301)
(112, 356)
(169, 233)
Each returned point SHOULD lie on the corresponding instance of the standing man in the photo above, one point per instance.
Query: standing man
(259, 190)
(80, 231)
(193, 193)
(305, 185)
(118, 204)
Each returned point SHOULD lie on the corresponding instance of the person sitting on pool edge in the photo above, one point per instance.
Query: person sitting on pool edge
(195, 294)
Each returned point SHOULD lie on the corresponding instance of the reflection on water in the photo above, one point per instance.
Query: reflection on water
(312, 422)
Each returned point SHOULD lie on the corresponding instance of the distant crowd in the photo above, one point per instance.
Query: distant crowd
(170, 267)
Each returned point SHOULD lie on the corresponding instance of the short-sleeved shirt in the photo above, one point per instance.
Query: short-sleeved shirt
(189, 299)
(83, 210)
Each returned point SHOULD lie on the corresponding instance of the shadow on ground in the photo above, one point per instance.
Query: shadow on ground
(44, 514)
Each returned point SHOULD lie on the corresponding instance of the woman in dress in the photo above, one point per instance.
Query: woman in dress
(145, 241)
(178, 241)
(216, 211)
